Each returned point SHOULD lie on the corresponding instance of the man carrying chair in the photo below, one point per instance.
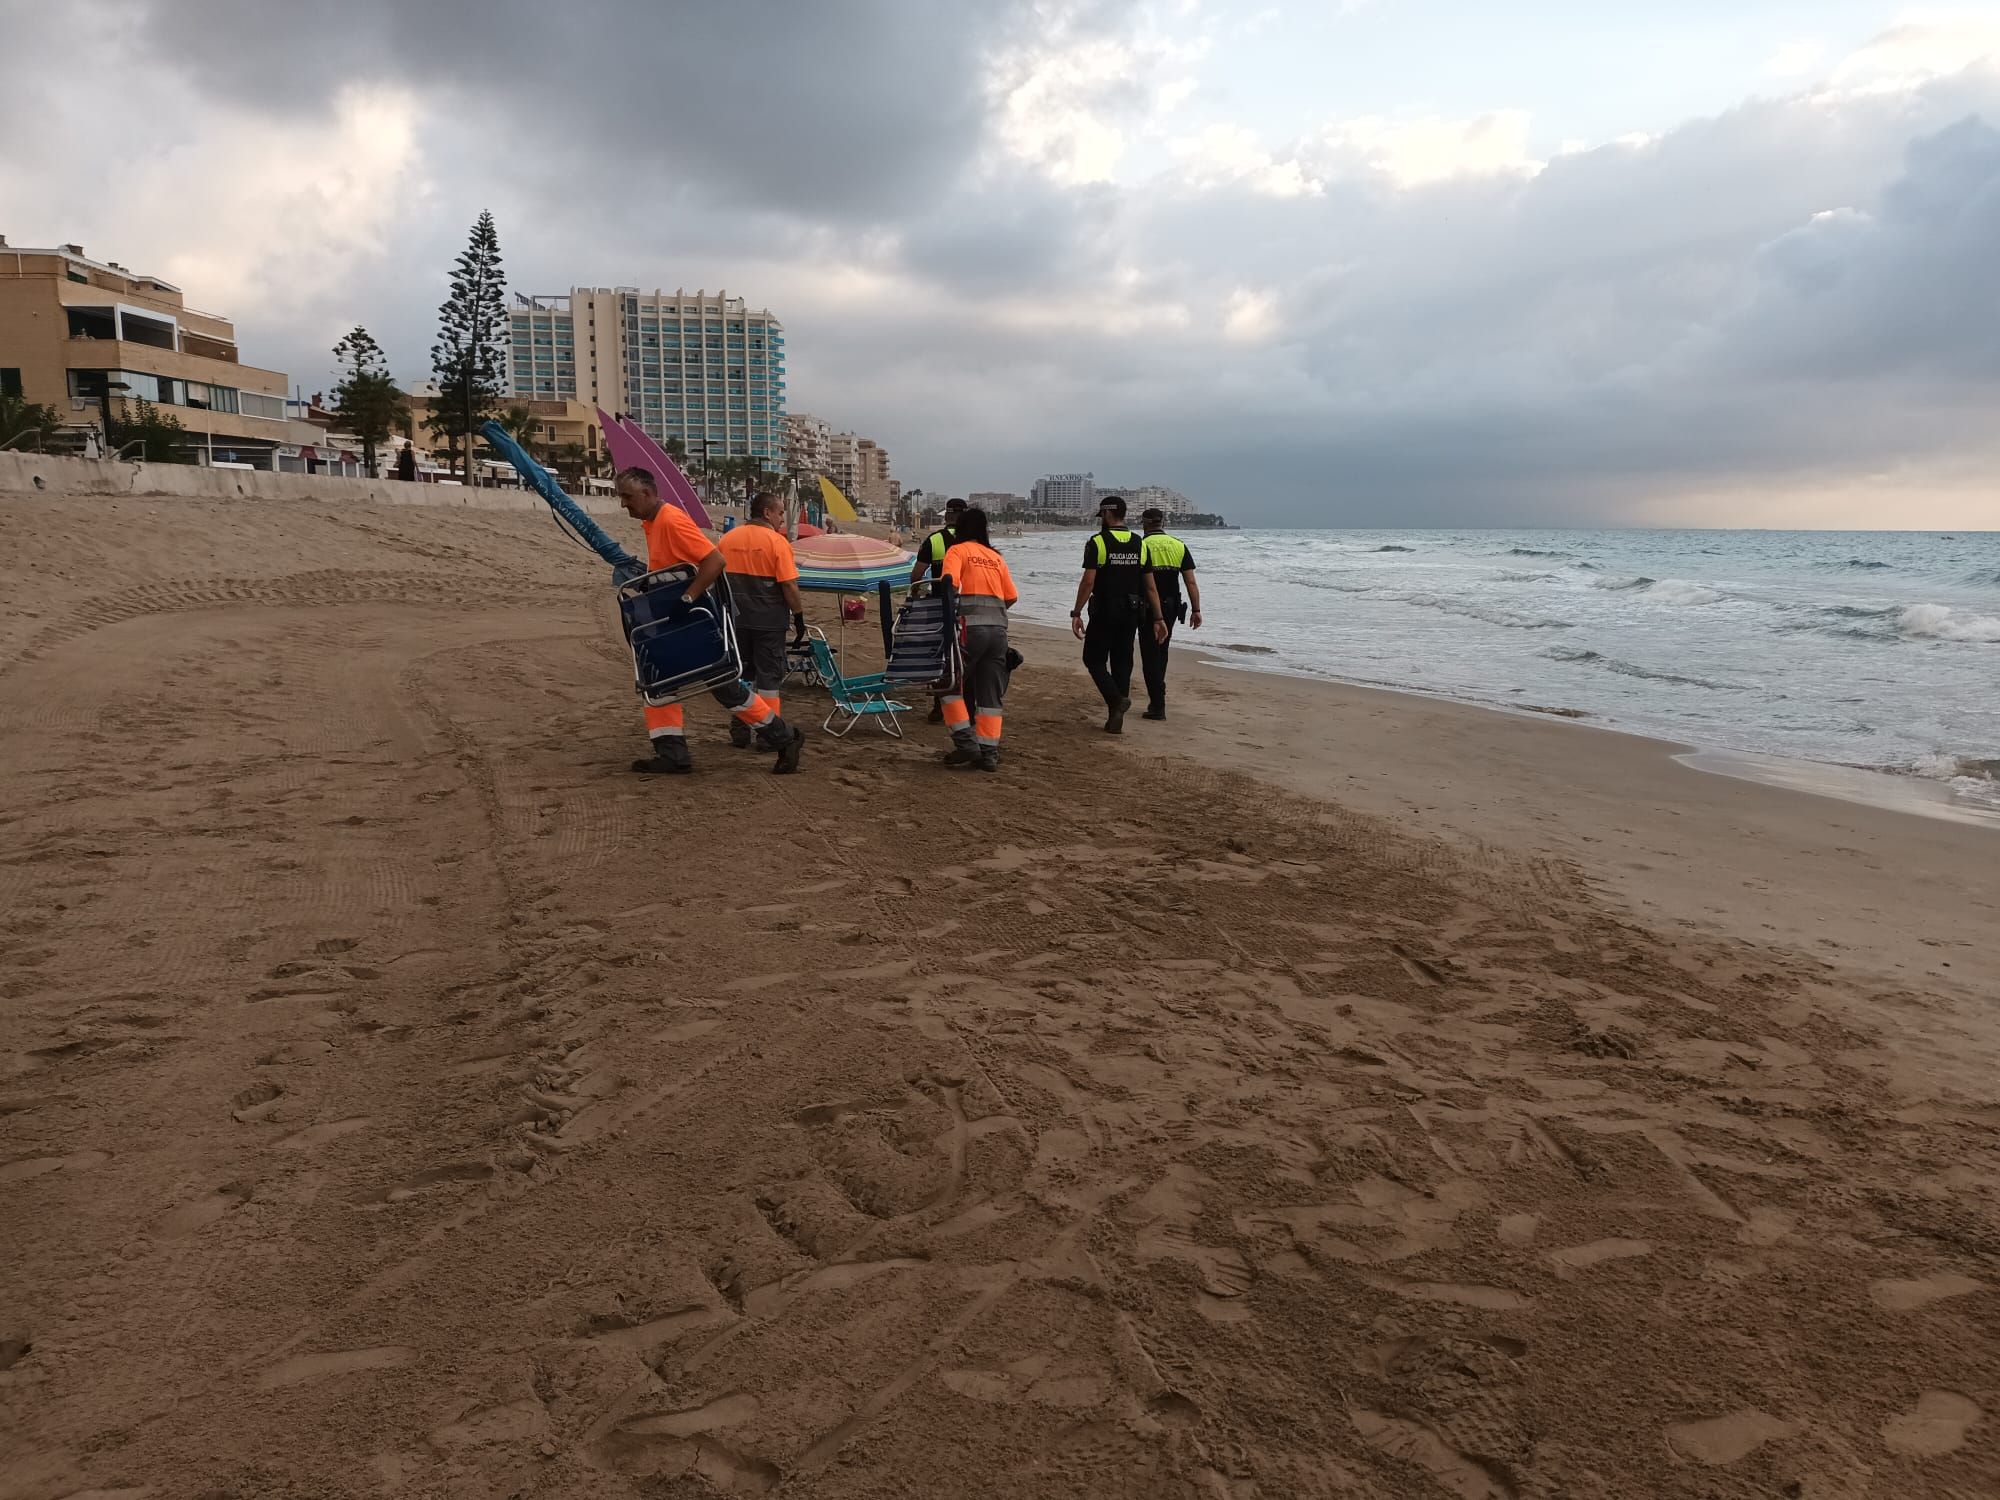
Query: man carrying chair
(764, 586)
(674, 541)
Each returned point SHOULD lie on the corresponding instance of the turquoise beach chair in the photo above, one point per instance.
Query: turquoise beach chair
(854, 698)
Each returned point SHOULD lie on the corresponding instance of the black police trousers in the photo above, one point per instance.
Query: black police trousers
(1107, 653)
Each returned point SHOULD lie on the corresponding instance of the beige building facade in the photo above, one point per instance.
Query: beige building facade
(79, 334)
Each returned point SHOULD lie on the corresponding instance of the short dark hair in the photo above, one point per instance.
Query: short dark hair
(1152, 513)
(1116, 502)
(972, 526)
(763, 500)
(641, 477)
(954, 505)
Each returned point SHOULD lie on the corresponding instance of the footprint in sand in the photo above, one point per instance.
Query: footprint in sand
(304, 1367)
(318, 1135)
(203, 1211)
(1723, 1440)
(1907, 1296)
(29, 1167)
(1936, 1425)
(1575, 1258)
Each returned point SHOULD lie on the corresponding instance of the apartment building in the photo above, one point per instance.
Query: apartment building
(80, 335)
(704, 369)
(873, 486)
(1071, 494)
(843, 463)
(1142, 497)
(997, 502)
(808, 443)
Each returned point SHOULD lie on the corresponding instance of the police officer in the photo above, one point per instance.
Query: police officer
(1170, 563)
(1123, 601)
(930, 559)
(930, 556)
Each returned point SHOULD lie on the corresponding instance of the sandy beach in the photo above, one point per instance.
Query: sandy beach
(1326, 1093)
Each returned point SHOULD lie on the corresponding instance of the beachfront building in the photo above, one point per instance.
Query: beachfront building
(997, 502)
(83, 335)
(872, 485)
(1140, 498)
(808, 443)
(705, 369)
(843, 463)
(1066, 494)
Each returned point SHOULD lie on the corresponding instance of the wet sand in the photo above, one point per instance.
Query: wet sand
(402, 1098)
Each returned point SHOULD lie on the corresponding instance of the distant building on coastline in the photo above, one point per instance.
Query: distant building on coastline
(706, 369)
(80, 335)
(1142, 497)
(997, 502)
(1067, 494)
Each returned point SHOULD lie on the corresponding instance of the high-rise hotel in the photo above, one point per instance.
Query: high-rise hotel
(705, 369)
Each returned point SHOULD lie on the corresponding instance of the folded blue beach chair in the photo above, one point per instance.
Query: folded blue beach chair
(678, 649)
(923, 647)
(854, 698)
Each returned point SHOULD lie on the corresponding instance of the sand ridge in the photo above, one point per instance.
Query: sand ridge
(403, 1099)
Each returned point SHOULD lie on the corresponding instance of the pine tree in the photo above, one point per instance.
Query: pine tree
(472, 322)
(366, 400)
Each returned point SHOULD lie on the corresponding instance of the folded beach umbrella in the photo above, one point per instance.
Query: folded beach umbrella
(632, 448)
(848, 563)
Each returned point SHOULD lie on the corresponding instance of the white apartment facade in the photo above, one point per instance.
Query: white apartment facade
(1069, 494)
(706, 369)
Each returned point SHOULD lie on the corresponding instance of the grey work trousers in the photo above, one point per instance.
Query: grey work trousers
(985, 681)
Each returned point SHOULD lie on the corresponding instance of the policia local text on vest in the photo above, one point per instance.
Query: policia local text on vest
(1123, 599)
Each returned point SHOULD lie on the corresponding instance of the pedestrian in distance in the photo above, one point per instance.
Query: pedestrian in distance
(674, 541)
(764, 588)
(985, 592)
(1171, 566)
(1123, 600)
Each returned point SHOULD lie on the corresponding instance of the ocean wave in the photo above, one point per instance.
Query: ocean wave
(1393, 548)
(1860, 563)
(1534, 552)
(1612, 583)
(1940, 622)
(1505, 618)
(1972, 778)
(1681, 591)
(1982, 577)
(1506, 576)
(1630, 669)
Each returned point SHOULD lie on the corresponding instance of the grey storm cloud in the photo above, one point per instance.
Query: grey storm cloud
(1792, 291)
(839, 111)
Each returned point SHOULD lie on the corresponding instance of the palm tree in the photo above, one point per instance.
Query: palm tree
(571, 461)
(519, 424)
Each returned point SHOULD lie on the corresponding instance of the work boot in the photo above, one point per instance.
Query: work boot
(1155, 711)
(936, 714)
(788, 756)
(739, 734)
(1116, 723)
(962, 753)
(989, 758)
(670, 758)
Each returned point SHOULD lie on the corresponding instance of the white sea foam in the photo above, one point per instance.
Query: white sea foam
(1681, 591)
(1940, 622)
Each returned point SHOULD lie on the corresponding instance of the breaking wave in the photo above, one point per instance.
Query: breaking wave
(1505, 618)
(1940, 622)
(1681, 591)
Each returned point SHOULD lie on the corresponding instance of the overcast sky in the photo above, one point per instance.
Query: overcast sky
(1393, 262)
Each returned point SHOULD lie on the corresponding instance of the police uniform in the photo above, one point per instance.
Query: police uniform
(934, 548)
(1117, 610)
(1166, 558)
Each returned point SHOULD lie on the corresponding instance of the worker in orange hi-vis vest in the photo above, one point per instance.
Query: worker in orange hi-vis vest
(674, 541)
(985, 592)
(764, 583)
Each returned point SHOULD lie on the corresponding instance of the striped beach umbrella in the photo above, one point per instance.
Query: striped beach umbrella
(846, 563)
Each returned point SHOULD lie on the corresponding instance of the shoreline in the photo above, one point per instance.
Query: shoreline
(1905, 791)
(1866, 882)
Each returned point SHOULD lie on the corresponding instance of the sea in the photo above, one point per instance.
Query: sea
(1868, 651)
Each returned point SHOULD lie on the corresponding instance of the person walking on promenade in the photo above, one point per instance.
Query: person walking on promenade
(674, 541)
(1171, 565)
(763, 585)
(1122, 599)
(930, 561)
(986, 592)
